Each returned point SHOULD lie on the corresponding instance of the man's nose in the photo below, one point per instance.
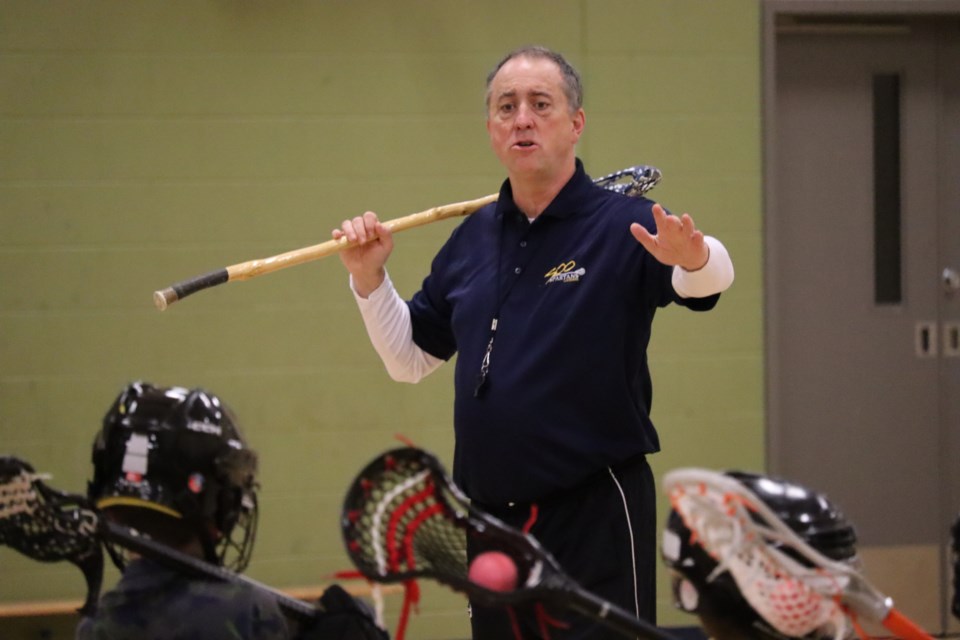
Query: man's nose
(524, 119)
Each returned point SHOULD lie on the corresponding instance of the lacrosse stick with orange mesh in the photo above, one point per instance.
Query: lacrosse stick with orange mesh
(795, 588)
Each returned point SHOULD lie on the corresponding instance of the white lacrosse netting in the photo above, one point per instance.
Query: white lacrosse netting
(17, 496)
(747, 539)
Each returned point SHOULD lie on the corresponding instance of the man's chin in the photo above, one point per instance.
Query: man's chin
(525, 163)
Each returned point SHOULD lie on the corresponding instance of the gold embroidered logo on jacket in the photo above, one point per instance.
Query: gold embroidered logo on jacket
(565, 272)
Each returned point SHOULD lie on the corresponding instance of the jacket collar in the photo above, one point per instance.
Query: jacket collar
(566, 204)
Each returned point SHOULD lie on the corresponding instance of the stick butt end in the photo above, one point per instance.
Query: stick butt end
(164, 298)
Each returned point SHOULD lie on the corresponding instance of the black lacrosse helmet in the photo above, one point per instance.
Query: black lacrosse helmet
(716, 599)
(172, 456)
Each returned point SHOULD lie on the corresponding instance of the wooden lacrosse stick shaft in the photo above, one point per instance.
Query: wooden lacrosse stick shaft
(252, 268)
(639, 180)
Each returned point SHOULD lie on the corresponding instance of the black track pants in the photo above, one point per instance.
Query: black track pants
(603, 533)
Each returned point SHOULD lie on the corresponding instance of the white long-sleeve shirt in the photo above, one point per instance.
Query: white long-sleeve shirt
(387, 317)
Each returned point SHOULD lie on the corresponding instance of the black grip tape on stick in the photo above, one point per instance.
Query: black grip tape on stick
(183, 289)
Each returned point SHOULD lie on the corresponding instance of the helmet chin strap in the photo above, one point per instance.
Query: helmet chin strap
(203, 542)
(209, 549)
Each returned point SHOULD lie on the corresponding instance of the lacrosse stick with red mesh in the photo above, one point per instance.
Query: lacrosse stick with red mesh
(404, 518)
(792, 586)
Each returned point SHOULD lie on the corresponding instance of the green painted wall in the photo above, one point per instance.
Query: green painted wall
(142, 143)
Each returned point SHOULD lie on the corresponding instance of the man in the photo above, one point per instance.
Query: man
(172, 463)
(547, 296)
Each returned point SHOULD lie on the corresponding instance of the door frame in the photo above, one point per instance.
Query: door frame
(772, 13)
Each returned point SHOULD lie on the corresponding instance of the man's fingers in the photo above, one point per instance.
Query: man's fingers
(687, 224)
(364, 227)
(384, 232)
(347, 231)
(659, 215)
(360, 229)
(370, 223)
(643, 236)
(668, 224)
(676, 241)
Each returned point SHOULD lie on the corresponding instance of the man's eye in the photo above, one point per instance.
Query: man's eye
(542, 105)
(506, 108)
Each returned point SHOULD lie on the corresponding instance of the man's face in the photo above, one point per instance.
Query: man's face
(531, 127)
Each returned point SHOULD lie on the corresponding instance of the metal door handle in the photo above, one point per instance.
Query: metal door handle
(951, 339)
(951, 280)
(925, 339)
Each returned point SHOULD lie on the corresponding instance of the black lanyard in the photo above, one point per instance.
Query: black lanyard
(482, 377)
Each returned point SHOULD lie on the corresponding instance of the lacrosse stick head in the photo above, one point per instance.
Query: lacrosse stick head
(404, 518)
(633, 181)
(49, 525)
(171, 462)
(757, 557)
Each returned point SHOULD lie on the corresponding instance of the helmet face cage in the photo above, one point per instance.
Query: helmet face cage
(178, 452)
(698, 587)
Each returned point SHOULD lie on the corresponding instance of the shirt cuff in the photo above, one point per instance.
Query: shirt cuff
(714, 277)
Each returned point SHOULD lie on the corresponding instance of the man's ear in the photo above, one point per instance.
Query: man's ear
(579, 121)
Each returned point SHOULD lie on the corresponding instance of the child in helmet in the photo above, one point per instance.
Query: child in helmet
(171, 463)
(714, 597)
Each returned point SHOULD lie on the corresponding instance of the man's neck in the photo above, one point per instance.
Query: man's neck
(534, 193)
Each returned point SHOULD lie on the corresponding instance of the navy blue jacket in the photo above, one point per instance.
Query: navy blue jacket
(568, 390)
(153, 602)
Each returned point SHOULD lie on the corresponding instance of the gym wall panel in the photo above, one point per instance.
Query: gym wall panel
(144, 143)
